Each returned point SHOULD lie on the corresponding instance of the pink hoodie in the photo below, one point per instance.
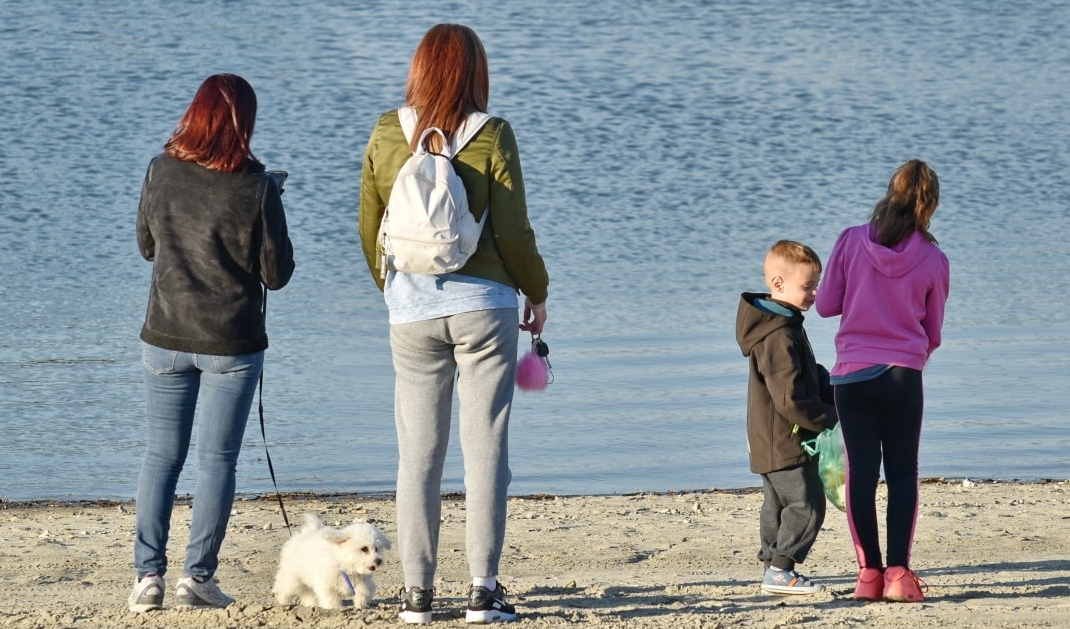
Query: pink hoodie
(891, 300)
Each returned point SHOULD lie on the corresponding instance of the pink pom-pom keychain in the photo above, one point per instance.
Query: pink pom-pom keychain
(533, 371)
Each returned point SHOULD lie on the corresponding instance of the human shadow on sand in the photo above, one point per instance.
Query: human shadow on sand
(1040, 579)
(703, 597)
(993, 581)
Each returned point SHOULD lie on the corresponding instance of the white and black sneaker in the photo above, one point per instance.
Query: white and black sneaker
(416, 605)
(485, 606)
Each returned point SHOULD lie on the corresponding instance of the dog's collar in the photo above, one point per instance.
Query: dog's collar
(352, 591)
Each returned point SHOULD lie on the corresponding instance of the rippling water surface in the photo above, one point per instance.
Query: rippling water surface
(665, 146)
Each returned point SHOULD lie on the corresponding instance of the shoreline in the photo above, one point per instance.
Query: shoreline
(298, 496)
(993, 553)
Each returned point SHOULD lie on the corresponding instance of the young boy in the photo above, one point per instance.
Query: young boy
(789, 400)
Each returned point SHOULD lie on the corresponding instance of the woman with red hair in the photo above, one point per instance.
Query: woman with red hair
(459, 326)
(211, 222)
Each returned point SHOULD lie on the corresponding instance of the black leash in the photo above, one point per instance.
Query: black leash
(263, 433)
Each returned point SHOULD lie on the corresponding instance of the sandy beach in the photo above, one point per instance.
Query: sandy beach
(994, 554)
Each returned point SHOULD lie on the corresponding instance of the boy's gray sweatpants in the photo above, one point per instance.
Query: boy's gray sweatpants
(480, 349)
(791, 516)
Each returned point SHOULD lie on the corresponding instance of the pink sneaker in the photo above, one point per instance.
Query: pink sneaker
(870, 586)
(902, 585)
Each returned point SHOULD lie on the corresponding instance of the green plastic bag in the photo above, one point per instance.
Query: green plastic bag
(831, 464)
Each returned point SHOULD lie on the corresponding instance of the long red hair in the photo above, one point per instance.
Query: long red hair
(448, 79)
(216, 128)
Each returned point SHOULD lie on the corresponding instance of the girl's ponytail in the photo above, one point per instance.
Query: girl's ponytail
(908, 206)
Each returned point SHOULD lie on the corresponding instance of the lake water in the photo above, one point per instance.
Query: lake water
(665, 147)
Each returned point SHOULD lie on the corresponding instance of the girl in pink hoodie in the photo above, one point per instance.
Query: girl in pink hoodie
(888, 281)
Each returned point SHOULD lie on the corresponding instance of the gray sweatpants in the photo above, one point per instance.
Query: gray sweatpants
(479, 348)
(791, 516)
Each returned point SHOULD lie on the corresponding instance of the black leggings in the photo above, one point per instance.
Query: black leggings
(882, 417)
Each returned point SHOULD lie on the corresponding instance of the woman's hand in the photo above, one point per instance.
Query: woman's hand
(534, 317)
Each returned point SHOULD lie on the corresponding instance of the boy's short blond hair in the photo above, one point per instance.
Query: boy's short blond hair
(789, 253)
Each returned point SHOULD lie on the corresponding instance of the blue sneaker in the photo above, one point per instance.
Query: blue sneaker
(777, 581)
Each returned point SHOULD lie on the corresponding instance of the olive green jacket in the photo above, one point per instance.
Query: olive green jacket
(490, 168)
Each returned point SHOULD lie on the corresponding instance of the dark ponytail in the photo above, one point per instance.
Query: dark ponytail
(908, 206)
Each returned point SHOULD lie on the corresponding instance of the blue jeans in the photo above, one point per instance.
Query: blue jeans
(173, 380)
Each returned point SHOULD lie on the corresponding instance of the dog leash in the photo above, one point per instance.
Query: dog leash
(263, 433)
(352, 590)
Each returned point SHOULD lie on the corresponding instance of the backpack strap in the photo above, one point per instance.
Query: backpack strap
(407, 117)
(468, 130)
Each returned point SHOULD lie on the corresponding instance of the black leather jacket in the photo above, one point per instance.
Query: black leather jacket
(215, 239)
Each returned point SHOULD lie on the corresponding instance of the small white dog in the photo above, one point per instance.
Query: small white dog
(322, 565)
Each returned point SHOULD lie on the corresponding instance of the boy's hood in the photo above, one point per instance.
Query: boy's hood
(754, 323)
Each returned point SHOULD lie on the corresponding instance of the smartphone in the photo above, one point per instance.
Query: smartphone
(279, 176)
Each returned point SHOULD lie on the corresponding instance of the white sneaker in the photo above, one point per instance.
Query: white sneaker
(147, 595)
(191, 594)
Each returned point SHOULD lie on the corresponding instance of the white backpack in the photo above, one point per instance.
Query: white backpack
(427, 227)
